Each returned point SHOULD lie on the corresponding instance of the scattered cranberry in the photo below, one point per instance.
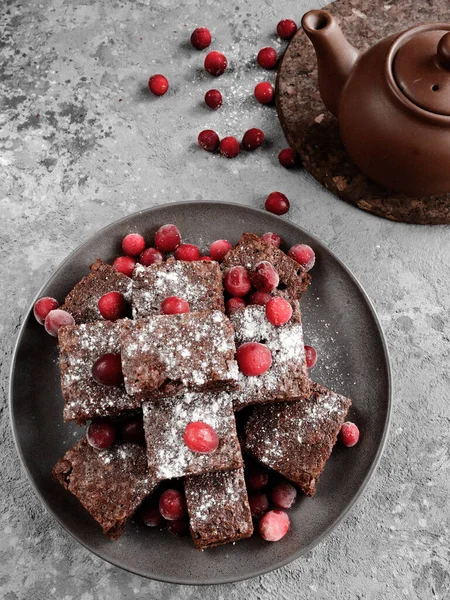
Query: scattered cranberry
(107, 369)
(272, 239)
(179, 527)
(259, 504)
(253, 358)
(112, 306)
(124, 265)
(277, 203)
(287, 158)
(229, 147)
(201, 38)
(256, 478)
(267, 57)
(234, 304)
(237, 281)
(132, 430)
(310, 356)
(215, 63)
(101, 434)
(158, 84)
(167, 238)
(253, 138)
(187, 252)
(57, 318)
(42, 307)
(151, 516)
(264, 278)
(278, 311)
(264, 92)
(151, 256)
(172, 505)
(219, 249)
(286, 29)
(349, 434)
(304, 255)
(133, 244)
(208, 140)
(213, 99)
(200, 437)
(259, 298)
(205, 258)
(274, 525)
(174, 306)
(283, 495)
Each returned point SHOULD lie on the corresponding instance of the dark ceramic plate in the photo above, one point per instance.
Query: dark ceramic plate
(338, 320)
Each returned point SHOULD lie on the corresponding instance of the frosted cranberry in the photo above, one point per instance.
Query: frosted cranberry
(201, 38)
(229, 147)
(259, 504)
(264, 278)
(277, 203)
(256, 478)
(267, 57)
(179, 527)
(167, 238)
(237, 281)
(219, 249)
(259, 298)
(253, 138)
(349, 434)
(172, 505)
(107, 369)
(213, 99)
(42, 307)
(151, 516)
(101, 433)
(272, 239)
(158, 84)
(287, 158)
(286, 29)
(215, 63)
(264, 92)
(253, 358)
(112, 306)
(200, 437)
(283, 495)
(133, 244)
(174, 306)
(151, 256)
(205, 258)
(187, 252)
(124, 265)
(274, 525)
(208, 140)
(278, 311)
(304, 255)
(132, 430)
(234, 304)
(57, 318)
(310, 356)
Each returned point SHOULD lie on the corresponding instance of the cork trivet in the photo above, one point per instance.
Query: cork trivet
(313, 132)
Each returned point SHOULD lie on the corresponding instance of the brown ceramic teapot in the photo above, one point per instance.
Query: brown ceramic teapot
(392, 102)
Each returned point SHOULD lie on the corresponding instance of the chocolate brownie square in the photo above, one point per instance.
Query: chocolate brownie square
(165, 355)
(165, 421)
(82, 301)
(110, 483)
(197, 282)
(218, 508)
(287, 378)
(296, 438)
(80, 346)
(250, 250)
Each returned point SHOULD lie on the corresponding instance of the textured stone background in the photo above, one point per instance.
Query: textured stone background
(81, 144)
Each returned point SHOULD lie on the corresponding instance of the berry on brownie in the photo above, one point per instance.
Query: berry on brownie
(267, 57)
(215, 63)
(57, 318)
(208, 140)
(158, 84)
(259, 298)
(277, 203)
(151, 256)
(42, 307)
(174, 306)
(237, 281)
(278, 311)
(254, 358)
(124, 265)
(213, 99)
(349, 434)
(264, 92)
(271, 238)
(167, 238)
(187, 252)
(201, 38)
(263, 277)
(133, 244)
(112, 306)
(200, 437)
(101, 433)
(234, 304)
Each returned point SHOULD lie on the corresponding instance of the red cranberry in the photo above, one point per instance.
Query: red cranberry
(205, 258)
(264, 92)
(234, 304)
(256, 478)
(229, 147)
(286, 29)
(179, 527)
(151, 516)
(124, 265)
(349, 434)
(283, 495)
(213, 99)
(277, 203)
(167, 238)
(57, 318)
(310, 356)
(101, 434)
(264, 278)
(259, 504)
(107, 369)
(287, 158)
(133, 244)
(253, 358)
(151, 256)
(112, 306)
(272, 239)
(304, 255)
(132, 430)
(42, 307)
(174, 306)
(200, 437)
(158, 84)
(274, 525)
(253, 138)
(215, 63)
(219, 249)
(187, 252)
(237, 281)
(208, 140)
(201, 38)
(259, 298)
(267, 57)
(172, 505)
(278, 311)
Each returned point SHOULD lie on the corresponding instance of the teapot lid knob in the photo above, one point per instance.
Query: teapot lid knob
(443, 51)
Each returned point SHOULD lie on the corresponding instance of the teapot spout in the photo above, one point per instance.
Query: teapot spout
(336, 57)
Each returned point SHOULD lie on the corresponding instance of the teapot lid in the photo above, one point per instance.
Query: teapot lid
(422, 70)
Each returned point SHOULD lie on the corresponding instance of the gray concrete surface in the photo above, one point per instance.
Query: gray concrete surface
(81, 144)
